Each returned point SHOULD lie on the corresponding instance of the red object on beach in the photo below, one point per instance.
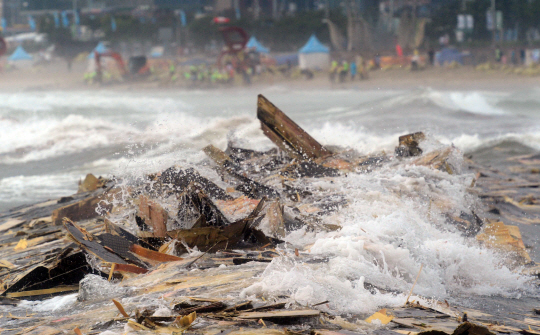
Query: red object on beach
(221, 19)
(399, 50)
(3, 46)
(115, 55)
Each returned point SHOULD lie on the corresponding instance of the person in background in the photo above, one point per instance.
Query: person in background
(399, 50)
(353, 70)
(513, 57)
(431, 56)
(415, 60)
(498, 54)
(172, 71)
(362, 68)
(333, 70)
(344, 70)
(377, 61)
(522, 55)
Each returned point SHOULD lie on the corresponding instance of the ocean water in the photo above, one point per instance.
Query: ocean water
(50, 140)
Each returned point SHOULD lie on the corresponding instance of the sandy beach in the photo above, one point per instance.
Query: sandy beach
(55, 76)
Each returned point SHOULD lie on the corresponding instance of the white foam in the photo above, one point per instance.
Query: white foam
(394, 224)
(473, 102)
(96, 100)
(50, 305)
(17, 189)
(468, 142)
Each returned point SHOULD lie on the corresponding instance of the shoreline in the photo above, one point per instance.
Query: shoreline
(55, 76)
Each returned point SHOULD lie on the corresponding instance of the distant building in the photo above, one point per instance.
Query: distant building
(396, 7)
(272, 8)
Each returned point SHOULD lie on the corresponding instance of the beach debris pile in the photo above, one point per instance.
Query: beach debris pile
(142, 240)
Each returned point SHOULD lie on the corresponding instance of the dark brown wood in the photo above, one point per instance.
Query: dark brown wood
(153, 255)
(153, 215)
(79, 211)
(286, 134)
(250, 187)
(90, 244)
(221, 237)
(129, 268)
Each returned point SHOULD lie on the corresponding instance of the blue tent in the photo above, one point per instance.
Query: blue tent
(20, 54)
(100, 48)
(313, 45)
(449, 55)
(253, 43)
(287, 59)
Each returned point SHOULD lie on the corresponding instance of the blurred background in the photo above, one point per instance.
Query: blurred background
(209, 42)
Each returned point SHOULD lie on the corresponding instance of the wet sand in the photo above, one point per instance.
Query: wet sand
(55, 76)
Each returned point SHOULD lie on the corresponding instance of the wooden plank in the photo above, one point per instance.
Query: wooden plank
(286, 134)
(12, 223)
(90, 244)
(251, 187)
(279, 314)
(82, 210)
(153, 255)
(129, 268)
(59, 289)
(218, 156)
(154, 215)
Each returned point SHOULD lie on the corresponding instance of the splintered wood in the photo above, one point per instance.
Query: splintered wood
(507, 238)
(194, 241)
(286, 134)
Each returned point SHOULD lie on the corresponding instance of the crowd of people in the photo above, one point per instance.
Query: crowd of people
(343, 70)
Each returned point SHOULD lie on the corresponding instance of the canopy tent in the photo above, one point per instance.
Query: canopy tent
(20, 54)
(314, 55)
(100, 48)
(254, 44)
(313, 45)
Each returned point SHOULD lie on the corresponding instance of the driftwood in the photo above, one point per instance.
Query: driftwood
(249, 186)
(223, 237)
(286, 134)
(82, 210)
(38, 262)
